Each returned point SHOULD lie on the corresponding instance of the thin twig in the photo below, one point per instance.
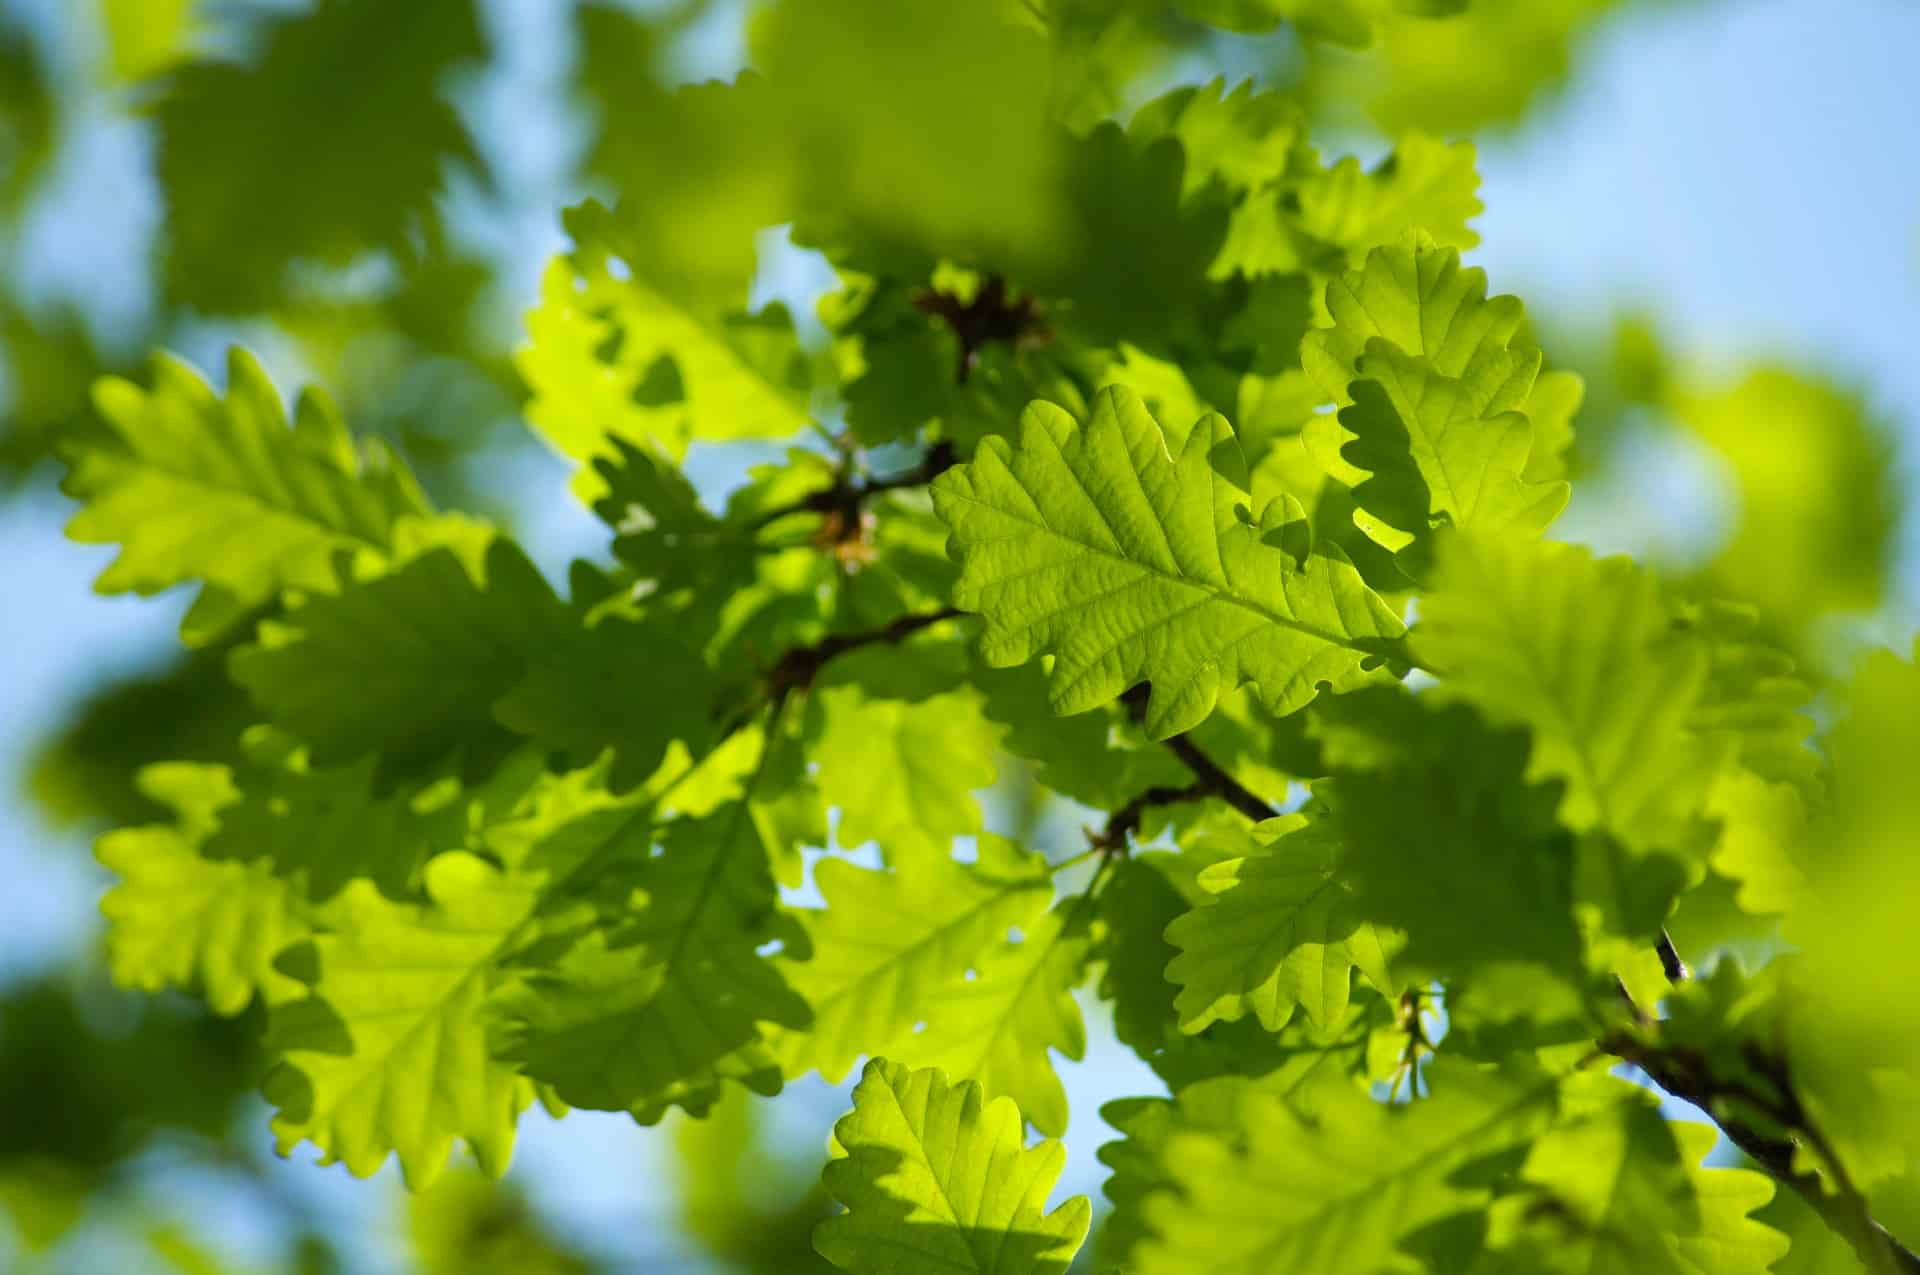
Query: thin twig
(1125, 822)
(992, 314)
(846, 497)
(1217, 782)
(1676, 969)
(1688, 1075)
(796, 669)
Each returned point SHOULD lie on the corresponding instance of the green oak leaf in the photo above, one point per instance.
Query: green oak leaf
(1815, 1248)
(1245, 138)
(1342, 1189)
(617, 682)
(662, 999)
(1581, 651)
(613, 357)
(1128, 202)
(1423, 183)
(892, 945)
(198, 487)
(1815, 489)
(1346, 22)
(446, 656)
(406, 665)
(1093, 758)
(1433, 459)
(934, 1177)
(179, 918)
(1279, 929)
(372, 146)
(1415, 295)
(998, 1027)
(388, 1054)
(661, 529)
(1141, 898)
(1599, 1195)
(1098, 545)
(902, 773)
(320, 829)
(1303, 1067)
(1468, 883)
(1620, 1192)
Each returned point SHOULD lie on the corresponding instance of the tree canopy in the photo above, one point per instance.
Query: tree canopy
(1140, 462)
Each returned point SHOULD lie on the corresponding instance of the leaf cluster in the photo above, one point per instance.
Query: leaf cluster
(1154, 466)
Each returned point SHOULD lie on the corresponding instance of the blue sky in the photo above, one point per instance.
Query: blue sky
(1744, 170)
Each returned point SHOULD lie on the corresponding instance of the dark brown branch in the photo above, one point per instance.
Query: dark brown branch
(1125, 822)
(1688, 1075)
(1676, 969)
(1215, 781)
(796, 669)
(992, 315)
(1679, 1073)
(847, 497)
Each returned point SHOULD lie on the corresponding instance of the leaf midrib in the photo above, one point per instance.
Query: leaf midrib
(1148, 570)
(269, 509)
(902, 956)
(1419, 1164)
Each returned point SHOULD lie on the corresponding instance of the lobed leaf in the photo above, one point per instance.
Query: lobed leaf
(934, 1177)
(1279, 930)
(1343, 1189)
(180, 918)
(388, 1054)
(998, 1027)
(220, 490)
(892, 946)
(1097, 545)
(1582, 652)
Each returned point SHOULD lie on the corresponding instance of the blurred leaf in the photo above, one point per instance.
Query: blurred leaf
(1358, 1177)
(1128, 202)
(1855, 928)
(27, 115)
(354, 90)
(186, 711)
(52, 362)
(1348, 22)
(1485, 66)
(1816, 490)
(466, 1224)
(613, 357)
(751, 1207)
(1620, 1192)
(916, 128)
(146, 37)
(86, 1081)
(1518, 629)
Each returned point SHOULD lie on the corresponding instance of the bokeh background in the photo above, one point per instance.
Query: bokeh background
(1711, 207)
